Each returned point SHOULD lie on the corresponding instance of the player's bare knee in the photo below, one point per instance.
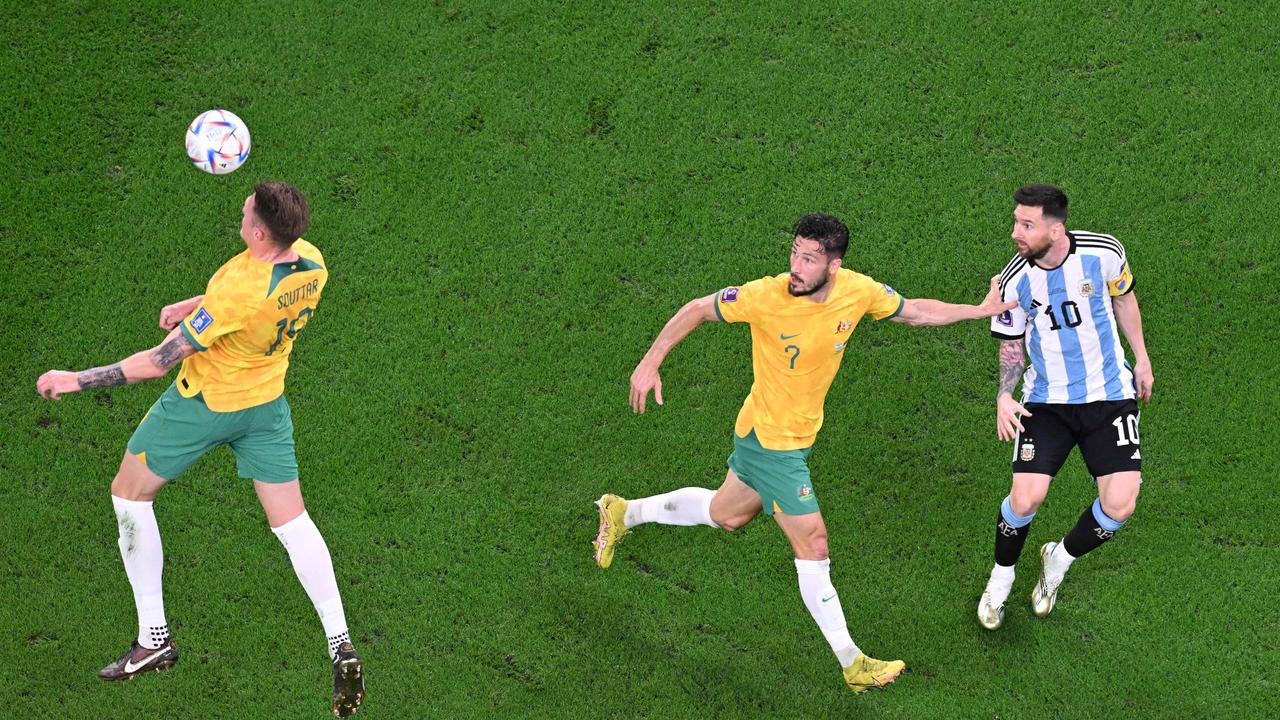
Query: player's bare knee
(1024, 503)
(812, 546)
(127, 488)
(1119, 509)
(818, 548)
(730, 523)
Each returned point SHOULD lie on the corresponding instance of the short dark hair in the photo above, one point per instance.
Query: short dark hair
(1049, 198)
(827, 231)
(283, 209)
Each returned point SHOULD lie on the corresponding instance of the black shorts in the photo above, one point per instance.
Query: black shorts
(1106, 431)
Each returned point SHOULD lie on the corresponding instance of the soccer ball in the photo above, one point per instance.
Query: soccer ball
(217, 142)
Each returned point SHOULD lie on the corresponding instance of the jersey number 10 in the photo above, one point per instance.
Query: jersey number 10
(1070, 315)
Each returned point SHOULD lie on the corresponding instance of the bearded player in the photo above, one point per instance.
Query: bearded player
(1074, 292)
(801, 323)
(234, 343)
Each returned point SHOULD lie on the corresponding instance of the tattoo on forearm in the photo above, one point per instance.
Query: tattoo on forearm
(171, 352)
(102, 377)
(1012, 362)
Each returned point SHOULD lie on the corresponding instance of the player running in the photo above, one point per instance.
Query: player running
(1072, 289)
(801, 323)
(234, 343)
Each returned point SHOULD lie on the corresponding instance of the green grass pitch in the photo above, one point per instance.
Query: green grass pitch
(513, 197)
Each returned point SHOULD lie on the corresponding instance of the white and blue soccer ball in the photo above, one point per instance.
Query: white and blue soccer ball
(218, 142)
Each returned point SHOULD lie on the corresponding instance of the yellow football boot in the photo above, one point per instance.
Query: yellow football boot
(867, 672)
(612, 527)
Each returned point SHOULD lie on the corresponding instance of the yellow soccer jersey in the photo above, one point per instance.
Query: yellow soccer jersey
(245, 328)
(796, 347)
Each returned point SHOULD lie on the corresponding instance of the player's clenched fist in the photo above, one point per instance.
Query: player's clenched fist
(171, 315)
(54, 383)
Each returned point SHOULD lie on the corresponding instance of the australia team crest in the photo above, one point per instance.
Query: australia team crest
(844, 326)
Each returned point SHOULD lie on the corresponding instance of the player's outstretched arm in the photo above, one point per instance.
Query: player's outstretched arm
(171, 315)
(645, 378)
(1130, 321)
(927, 313)
(1013, 359)
(139, 366)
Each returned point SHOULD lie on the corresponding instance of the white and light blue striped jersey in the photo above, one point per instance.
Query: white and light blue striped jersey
(1065, 315)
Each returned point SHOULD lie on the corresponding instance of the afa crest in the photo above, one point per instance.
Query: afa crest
(1086, 288)
(1028, 451)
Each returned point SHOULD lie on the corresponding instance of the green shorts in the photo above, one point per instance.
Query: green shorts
(780, 476)
(177, 431)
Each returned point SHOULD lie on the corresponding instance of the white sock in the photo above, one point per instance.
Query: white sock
(311, 561)
(1000, 584)
(1060, 560)
(144, 563)
(686, 506)
(824, 605)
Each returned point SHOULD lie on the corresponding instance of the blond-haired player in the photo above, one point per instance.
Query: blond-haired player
(234, 343)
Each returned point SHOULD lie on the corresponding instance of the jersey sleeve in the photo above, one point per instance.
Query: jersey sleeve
(741, 303)
(884, 302)
(1010, 324)
(219, 313)
(1119, 277)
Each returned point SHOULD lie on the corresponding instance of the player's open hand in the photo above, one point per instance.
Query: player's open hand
(1008, 420)
(1143, 379)
(54, 383)
(992, 304)
(171, 315)
(644, 379)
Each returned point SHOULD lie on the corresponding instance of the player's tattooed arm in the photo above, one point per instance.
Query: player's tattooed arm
(101, 377)
(1012, 362)
(139, 366)
(1009, 412)
(172, 351)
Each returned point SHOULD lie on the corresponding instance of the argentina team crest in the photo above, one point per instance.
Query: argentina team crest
(1028, 451)
(1086, 288)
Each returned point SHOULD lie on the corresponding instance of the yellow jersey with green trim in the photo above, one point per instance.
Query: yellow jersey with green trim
(796, 348)
(245, 326)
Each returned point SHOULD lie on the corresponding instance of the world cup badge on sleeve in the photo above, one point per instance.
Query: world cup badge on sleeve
(729, 294)
(201, 321)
